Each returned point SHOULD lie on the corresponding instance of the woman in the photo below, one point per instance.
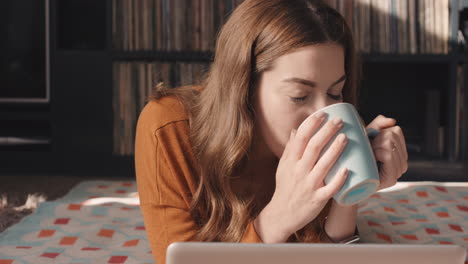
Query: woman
(223, 161)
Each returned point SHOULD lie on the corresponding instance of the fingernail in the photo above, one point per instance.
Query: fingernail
(337, 121)
(342, 137)
(320, 115)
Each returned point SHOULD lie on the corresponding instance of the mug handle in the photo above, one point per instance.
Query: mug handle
(371, 134)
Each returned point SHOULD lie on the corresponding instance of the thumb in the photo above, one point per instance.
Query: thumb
(381, 122)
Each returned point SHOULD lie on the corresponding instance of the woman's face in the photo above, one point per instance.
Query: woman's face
(300, 83)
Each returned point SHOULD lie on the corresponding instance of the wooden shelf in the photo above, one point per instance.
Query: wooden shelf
(207, 56)
(426, 168)
(20, 141)
(411, 58)
(25, 144)
(29, 115)
(17, 133)
(436, 170)
(189, 56)
(435, 164)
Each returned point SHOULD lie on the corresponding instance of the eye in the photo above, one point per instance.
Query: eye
(335, 97)
(298, 99)
(302, 99)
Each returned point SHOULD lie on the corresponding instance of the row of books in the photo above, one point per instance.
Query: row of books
(168, 25)
(133, 82)
(461, 96)
(379, 26)
(398, 26)
(435, 133)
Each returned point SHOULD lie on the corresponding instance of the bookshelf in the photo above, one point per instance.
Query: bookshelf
(439, 60)
(82, 108)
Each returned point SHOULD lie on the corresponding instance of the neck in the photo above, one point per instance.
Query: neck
(261, 159)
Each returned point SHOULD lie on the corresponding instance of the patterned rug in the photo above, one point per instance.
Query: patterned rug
(100, 222)
(96, 222)
(416, 213)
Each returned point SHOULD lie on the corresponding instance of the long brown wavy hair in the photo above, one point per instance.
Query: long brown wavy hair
(221, 112)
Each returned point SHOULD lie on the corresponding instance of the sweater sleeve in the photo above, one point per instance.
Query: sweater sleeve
(165, 172)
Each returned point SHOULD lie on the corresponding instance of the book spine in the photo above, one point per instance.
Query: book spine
(428, 14)
(196, 25)
(355, 26)
(158, 24)
(131, 32)
(349, 13)
(422, 26)
(165, 25)
(137, 19)
(405, 42)
(203, 25)
(445, 26)
(374, 27)
(115, 106)
(388, 16)
(436, 27)
(432, 122)
(367, 23)
(395, 21)
(412, 17)
(189, 13)
(144, 26)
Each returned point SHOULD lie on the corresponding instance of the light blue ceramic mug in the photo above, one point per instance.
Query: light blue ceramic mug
(358, 156)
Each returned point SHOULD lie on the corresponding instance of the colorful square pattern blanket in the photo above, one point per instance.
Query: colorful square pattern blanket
(101, 222)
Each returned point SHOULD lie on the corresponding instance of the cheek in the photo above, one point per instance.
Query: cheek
(275, 120)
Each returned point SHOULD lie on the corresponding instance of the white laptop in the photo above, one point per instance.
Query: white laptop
(302, 253)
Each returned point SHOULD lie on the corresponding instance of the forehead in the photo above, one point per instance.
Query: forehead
(314, 61)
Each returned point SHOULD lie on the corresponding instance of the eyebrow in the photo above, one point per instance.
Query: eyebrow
(311, 83)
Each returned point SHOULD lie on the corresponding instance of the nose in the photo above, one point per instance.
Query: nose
(319, 103)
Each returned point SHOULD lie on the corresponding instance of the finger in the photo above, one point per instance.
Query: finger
(328, 159)
(400, 146)
(287, 148)
(403, 163)
(380, 154)
(397, 156)
(381, 122)
(382, 148)
(330, 189)
(402, 141)
(398, 166)
(304, 133)
(318, 142)
(390, 166)
(400, 157)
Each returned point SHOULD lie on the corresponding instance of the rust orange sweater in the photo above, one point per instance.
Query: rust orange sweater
(164, 164)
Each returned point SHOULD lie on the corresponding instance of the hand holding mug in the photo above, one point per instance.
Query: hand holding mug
(390, 150)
